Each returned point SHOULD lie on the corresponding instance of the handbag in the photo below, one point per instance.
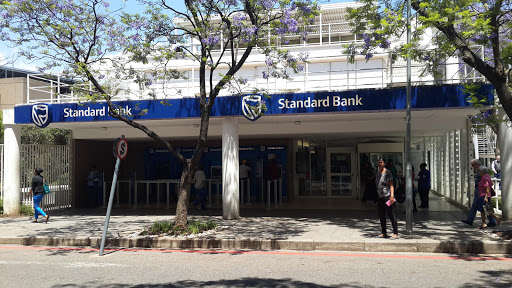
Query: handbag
(493, 193)
(488, 208)
(46, 188)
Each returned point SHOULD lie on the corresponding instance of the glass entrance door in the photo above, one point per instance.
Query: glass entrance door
(340, 172)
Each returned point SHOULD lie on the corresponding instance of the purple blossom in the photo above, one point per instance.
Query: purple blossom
(269, 61)
(303, 56)
(305, 9)
(268, 4)
(368, 56)
(211, 40)
(238, 19)
(384, 44)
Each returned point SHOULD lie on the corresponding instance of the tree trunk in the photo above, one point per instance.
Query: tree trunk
(183, 197)
(505, 96)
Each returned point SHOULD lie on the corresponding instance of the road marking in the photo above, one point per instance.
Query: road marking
(242, 252)
(65, 265)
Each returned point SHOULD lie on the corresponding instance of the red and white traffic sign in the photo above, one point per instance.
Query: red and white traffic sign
(122, 148)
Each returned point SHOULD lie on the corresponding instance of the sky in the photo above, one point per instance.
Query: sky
(131, 6)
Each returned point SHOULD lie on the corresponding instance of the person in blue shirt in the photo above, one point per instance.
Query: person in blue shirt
(424, 185)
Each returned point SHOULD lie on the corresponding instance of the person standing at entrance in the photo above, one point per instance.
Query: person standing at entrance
(496, 167)
(424, 185)
(475, 163)
(38, 191)
(385, 199)
(93, 186)
(245, 176)
(199, 181)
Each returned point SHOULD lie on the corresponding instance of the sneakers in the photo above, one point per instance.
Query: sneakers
(467, 222)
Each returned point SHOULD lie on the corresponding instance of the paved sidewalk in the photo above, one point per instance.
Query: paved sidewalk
(304, 230)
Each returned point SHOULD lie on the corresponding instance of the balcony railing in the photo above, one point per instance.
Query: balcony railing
(327, 76)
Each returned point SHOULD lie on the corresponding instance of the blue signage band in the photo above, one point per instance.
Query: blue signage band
(423, 97)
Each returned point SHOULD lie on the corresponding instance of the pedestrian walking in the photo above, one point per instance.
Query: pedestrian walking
(484, 188)
(385, 199)
(475, 163)
(38, 191)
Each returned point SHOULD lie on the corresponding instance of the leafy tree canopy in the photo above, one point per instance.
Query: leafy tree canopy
(477, 32)
(85, 36)
(51, 136)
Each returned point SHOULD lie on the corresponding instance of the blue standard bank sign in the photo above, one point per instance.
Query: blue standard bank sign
(422, 97)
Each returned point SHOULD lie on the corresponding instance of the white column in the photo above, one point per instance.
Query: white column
(452, 70)
(505, 140)
(12, 143)
(230, 169)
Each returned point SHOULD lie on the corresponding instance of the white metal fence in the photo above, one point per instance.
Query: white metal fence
(55, 162)
(497, 188)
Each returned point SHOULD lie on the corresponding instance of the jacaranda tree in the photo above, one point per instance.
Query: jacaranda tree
(477, 32)
(82, 36)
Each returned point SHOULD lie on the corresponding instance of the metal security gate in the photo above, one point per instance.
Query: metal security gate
(55, 162)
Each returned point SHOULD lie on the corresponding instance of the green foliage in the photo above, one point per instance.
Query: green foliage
(476, 32)
(26, 210)
(167, 227)
(490, 116)
(1, 205)
(493, 201)
(36, 135)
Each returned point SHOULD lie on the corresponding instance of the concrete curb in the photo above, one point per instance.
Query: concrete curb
(414, 246)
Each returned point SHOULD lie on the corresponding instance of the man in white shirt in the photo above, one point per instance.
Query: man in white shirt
(496, 167)
(244, 170)
(199, 182)
(244, 176)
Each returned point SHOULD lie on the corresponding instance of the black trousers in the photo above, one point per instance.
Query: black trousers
(384, 210)
(424, 197)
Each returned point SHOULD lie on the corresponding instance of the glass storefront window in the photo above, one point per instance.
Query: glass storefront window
(310, 167)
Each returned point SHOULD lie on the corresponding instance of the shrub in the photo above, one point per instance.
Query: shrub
(26, 210)
(168, 227)
(493, 201)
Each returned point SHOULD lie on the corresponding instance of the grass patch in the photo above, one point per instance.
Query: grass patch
(1, 206)
(168, 227)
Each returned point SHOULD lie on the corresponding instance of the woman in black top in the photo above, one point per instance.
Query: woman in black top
(386, 199)
(38, 190)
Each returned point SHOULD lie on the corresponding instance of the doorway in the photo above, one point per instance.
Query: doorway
(340, 172)
(369, 153)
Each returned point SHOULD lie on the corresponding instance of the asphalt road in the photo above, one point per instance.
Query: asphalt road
(22, 266)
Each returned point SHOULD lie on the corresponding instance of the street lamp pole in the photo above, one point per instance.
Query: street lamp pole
(408, 170)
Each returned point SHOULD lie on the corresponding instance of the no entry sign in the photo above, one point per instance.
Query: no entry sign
(121, 148)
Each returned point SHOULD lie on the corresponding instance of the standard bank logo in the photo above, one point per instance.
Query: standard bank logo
(252, 107)
(41, 115)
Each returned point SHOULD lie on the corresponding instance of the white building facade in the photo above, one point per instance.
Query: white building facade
(322, 127)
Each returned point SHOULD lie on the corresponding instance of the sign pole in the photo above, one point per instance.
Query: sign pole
(112, 190)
